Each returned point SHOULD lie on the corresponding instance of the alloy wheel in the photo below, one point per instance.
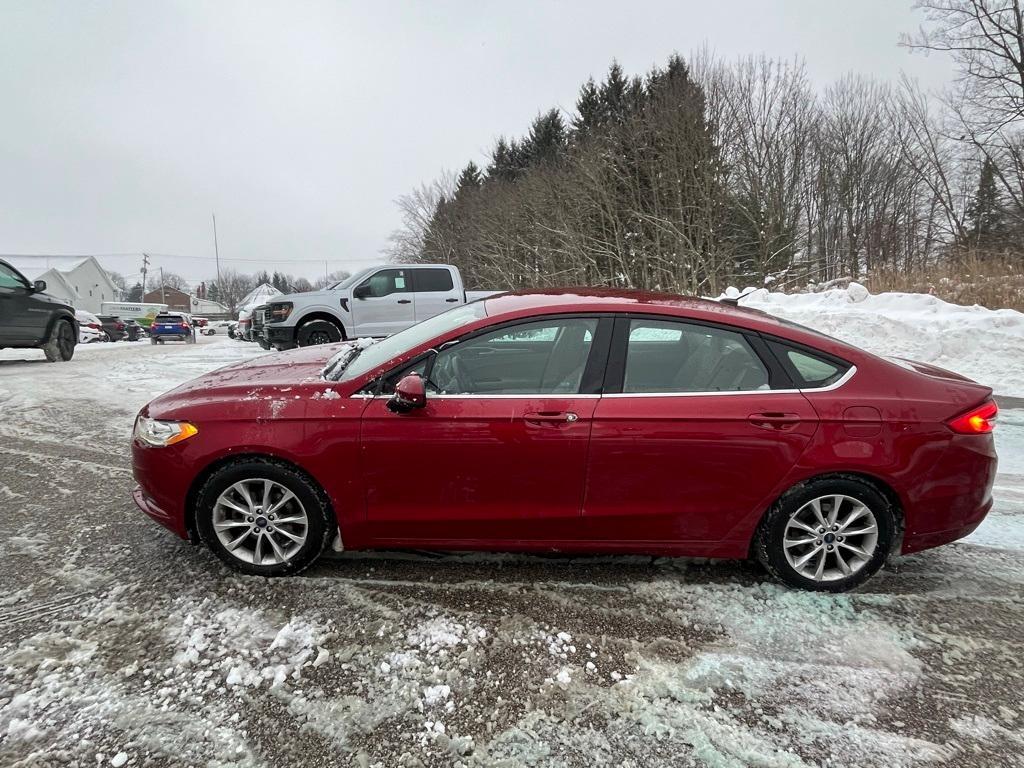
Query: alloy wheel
(830, 537)
(260, 521)
(319, 337)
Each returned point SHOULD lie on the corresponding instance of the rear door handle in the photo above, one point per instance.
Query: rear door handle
(405, 301)
(451, 301)
(551, 417)
(774, 420)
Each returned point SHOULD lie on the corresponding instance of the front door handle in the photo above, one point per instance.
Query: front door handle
(551, 417)
(774, 420)
(405, 301)
(451, 301)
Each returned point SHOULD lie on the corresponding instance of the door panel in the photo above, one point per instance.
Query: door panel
(435, 291)
(690, 468)
(476, 468)
(23, 315)
(389, 307)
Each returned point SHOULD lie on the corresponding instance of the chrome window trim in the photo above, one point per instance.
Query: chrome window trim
(807, 390)
(833, 386)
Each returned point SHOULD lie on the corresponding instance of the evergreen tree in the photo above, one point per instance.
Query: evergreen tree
(262, 277)
(547, 140)
(135, 294)
(614, 94)
(212, 291)
(469, 180)
(590, 111)
(984, 212)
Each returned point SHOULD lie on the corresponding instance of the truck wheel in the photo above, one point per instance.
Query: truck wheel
(60, 347)
(319, 332)
(264, 344)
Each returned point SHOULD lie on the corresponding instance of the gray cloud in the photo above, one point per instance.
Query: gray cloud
(124, 124)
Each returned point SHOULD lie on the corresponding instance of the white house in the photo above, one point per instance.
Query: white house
(78, 279)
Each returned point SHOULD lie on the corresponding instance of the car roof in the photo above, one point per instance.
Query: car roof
(563, 300)
(623, 300)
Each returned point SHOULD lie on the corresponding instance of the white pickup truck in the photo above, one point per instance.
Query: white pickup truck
(378, 301)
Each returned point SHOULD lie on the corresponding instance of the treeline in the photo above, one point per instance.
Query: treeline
(701, 174)
(233, 286)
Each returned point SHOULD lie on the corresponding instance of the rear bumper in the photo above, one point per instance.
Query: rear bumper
(956, 494)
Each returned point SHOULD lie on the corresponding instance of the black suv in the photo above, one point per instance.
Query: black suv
(31, 318)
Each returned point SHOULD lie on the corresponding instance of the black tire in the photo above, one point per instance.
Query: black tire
(60, 347)
(264, 344)
(152, 339)
(768, 541)
(319, 332)
(320, 519)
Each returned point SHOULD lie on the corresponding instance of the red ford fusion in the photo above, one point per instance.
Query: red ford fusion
(575, 421)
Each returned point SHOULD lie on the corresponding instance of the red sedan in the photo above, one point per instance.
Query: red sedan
(575, 421)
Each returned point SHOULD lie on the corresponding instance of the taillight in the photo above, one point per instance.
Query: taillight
(120, 326)
(184, 326)
(977, 421)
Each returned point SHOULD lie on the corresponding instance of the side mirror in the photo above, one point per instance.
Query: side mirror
(39, 286)
(361, 291)
(410, 394)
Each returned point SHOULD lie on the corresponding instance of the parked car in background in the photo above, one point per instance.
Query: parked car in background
(199, 322)
(243, 331)
(90, 329)
(581, 421)
(215, 327)
(259, 315)
(114, 327)
(172, 326)
(30, 317)
(376, 302)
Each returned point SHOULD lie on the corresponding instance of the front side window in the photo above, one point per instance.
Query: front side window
(9, 278)
(433, 280)
(668, 356)
(387, 282)
(546, 357)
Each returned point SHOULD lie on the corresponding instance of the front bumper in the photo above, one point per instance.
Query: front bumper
(168, 520)
(276, 334)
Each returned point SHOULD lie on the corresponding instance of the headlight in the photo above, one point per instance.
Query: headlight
(280, 311)
(162, 433)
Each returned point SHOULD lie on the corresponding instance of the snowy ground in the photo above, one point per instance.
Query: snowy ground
(121, 646)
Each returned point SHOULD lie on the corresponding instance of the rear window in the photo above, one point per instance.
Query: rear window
(427, 280)
(809, 370)
(168, 319)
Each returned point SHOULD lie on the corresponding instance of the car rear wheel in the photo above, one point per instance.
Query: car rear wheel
(319, 332)
(264, 518)
(827, 535)
(60, 347)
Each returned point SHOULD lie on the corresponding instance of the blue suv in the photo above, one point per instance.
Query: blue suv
(172, 326)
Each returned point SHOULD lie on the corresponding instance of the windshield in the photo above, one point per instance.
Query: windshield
(351, 280)
(412, 337)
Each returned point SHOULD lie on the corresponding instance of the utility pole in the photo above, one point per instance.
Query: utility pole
(216, 250)
(326, 278)
(163, 300)
(145, 268)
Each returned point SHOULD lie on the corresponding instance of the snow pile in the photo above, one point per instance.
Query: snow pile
(984, 344)
(244, 649)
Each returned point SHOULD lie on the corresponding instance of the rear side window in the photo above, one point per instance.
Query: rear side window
(668, 356)
(807, 369)
(427, 280)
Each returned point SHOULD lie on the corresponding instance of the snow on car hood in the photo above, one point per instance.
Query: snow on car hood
(271, 375)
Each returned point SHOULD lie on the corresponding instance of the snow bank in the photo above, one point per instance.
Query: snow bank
(985, 344)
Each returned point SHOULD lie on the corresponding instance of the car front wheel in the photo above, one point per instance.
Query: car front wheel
(60, 347)
(319, 332)
(827, 535)
(264, 518)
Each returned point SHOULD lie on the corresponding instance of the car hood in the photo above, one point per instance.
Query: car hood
(305, 298)
(277, 376)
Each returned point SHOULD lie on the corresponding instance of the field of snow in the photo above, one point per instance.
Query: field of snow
(984, 344)
(122, 646)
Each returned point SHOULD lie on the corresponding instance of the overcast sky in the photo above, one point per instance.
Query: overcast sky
(123, 125)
